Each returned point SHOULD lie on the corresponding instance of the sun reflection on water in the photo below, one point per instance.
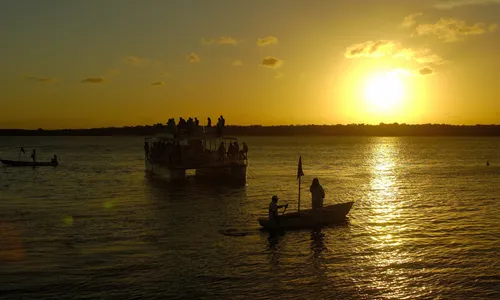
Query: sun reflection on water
(386, 225)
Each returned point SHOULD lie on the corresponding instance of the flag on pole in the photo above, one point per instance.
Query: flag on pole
(299, 169)
(22, 150)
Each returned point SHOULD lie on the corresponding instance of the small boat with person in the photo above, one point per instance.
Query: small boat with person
(310, 218)
(34, 163)
(328, 215)
(19, 163)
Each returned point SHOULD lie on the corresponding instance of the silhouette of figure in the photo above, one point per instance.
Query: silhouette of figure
(196, 122)
(317, 194)
(236, 149)
(33, 155)
(209, 122)
(244, 151)
(222, 151)
(487, 163)
(219, 126)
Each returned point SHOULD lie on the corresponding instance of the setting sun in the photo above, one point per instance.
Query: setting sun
(384, 92)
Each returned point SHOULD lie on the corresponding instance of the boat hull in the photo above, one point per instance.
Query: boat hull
(16, 163)
(217, 174)
(332, 214)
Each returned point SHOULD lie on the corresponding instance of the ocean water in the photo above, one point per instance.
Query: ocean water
(425, 223)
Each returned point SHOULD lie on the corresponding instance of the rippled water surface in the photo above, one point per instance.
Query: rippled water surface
(425, 223)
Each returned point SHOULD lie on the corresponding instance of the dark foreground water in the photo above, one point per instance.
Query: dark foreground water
(426, 223)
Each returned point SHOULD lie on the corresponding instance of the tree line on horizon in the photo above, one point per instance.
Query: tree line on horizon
(382, 129)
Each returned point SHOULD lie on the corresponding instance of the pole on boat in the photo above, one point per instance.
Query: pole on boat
(300, 173)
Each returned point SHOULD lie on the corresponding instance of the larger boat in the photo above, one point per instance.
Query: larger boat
(171, 156)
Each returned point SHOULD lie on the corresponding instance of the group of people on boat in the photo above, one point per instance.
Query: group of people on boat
(192, 125)
(317, 197)
(193, 152)
(233, 151)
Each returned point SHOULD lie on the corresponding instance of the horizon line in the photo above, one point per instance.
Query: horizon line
(270, 126)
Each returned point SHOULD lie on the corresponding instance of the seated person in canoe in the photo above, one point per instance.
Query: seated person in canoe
(273, 208)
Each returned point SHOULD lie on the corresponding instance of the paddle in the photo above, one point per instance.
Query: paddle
(284, 210)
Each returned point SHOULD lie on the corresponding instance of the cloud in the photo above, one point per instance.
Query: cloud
(450, 4)
(386, 48)
(452, 30)
(93, 80)
(268, 40)
(271, 62)
(158, 83)
(409, 20)
(193, 57)
(236, 63)
(136, 61)
(164, 73)
(224, 40)
(40, 79)
(425, 71)
(279, 75)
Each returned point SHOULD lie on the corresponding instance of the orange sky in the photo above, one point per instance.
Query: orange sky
(92, 63)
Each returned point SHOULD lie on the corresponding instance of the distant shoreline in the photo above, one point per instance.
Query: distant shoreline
(283, 130)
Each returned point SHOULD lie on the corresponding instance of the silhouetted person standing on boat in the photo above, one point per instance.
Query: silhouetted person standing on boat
(222, 121)
(209, 122)
(33, 155)
(236, 148)
(222, 151)
(244, 151)
(317, 194)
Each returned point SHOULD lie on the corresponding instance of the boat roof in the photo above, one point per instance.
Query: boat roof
(205, 136)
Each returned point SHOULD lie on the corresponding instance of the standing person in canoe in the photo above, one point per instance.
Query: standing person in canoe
(273, 209)
(33, 155)
(317, 195)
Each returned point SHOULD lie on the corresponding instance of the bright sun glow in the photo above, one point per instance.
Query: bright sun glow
(385, 91)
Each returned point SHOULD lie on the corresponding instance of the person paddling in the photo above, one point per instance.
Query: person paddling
(273, 208)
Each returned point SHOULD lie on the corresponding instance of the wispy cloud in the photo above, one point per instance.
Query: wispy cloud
(450, 4)
(452, 30)
(409, 20)
(40, 79)
(268, 40)
(425, 71)
(136, 61)
(193, 57)
(279, 75)
(223, 40)
(387, 48)
(236, 63)
(271, 62)
(93, 80)
(158, 83)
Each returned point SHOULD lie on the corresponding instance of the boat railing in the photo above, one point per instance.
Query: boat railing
(192, 160)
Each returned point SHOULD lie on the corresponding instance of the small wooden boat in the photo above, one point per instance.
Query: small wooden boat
(328, 215)
(19, 163)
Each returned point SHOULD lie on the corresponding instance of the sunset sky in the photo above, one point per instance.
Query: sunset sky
(78, 64)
